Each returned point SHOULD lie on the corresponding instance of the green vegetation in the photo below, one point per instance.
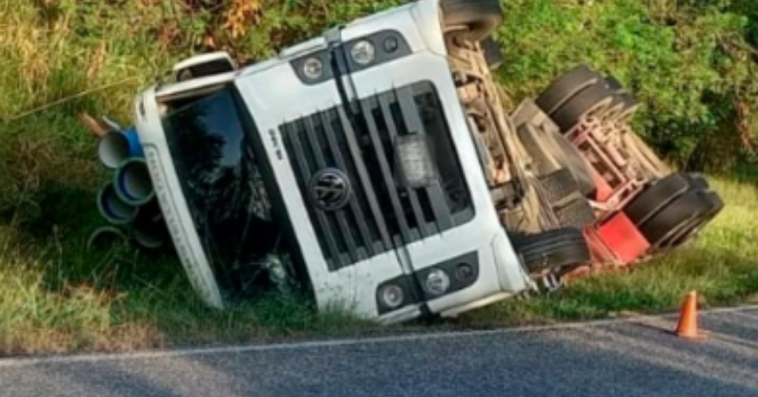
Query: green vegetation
(692, 63)
(694, 67)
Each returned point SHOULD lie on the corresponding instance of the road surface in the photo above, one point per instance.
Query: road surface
(630, 358)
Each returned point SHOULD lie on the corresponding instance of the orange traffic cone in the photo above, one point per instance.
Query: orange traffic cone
(688, 327)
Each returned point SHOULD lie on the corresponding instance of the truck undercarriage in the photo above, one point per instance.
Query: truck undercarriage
(570, 158)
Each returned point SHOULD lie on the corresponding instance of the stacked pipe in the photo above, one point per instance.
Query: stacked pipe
(127, 200)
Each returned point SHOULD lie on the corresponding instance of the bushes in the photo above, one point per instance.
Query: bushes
(690, 64)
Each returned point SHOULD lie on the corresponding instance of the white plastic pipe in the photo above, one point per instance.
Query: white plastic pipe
(113, 148)
(116, 146)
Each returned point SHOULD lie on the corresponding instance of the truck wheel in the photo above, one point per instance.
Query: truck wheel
(587, 101)
(553, 249)
(654, 197)
(492, 53)
(691, 229)
(675, 216)
(481, 17)
(566, 87)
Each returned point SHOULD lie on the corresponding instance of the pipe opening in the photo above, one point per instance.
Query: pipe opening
(149, 229)
(113, 148)
(133, 182)
(112, 208)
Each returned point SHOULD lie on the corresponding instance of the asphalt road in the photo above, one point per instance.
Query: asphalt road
(598, 360)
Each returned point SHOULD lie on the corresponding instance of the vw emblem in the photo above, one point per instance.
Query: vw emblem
(330, 189)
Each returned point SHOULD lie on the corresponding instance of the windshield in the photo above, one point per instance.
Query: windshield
(222, 185)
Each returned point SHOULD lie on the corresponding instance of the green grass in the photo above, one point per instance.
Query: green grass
(57, 297)
(722, 265)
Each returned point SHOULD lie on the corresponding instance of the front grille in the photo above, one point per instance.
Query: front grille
(381, 213)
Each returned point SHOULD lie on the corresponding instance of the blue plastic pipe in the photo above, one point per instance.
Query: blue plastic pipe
(132, 182)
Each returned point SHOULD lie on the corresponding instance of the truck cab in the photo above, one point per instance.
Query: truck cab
(346, 164)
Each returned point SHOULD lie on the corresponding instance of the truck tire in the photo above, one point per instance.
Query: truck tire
(654, 197)
(588, 100)
(690, 229)
(553, 249)
(715, 205)
(566, 87)
(678, 214)
(492, 53)
(481, 17)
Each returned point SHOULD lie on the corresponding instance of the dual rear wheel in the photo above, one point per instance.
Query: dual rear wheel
(670, 211)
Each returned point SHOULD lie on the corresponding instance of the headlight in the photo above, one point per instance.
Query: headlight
(313, 68)
(363, 52)
(392, 296)
(437, 282)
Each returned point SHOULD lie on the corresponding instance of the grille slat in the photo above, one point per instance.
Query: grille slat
(386, 172)
(327, 118)
(381, 214)
(384, 103)
(318, 154)
(413, 122)
(360, 165)
(302, 163)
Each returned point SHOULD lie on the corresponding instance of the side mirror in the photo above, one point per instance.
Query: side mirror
(204, 65)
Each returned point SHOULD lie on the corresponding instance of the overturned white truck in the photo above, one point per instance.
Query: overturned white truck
(374, 167)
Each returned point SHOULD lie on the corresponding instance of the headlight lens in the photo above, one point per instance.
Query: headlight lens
(313, 68)
(392, 296)
(363, 52)
(437, 282)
